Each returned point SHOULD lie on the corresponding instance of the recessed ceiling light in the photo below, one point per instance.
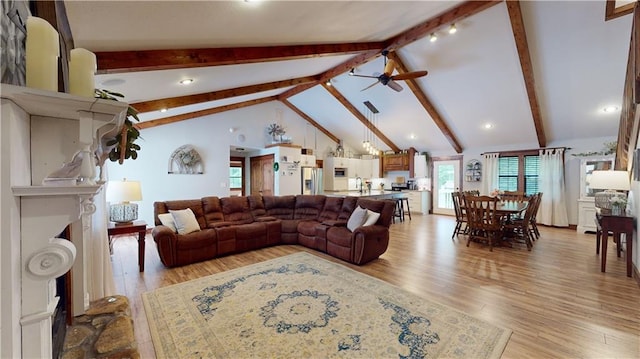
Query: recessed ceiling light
(412, 136)
(433, 37)
(488, 126)
(163, 110)
(453, 29)
(610, 109)
(186, 81)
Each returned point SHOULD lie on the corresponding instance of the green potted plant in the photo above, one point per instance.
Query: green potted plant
(124, 143)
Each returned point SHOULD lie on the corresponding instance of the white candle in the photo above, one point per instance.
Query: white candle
(42, 52)
(82, 69)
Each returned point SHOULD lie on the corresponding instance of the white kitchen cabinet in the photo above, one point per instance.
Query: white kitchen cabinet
(586, 202)
(307, 160)
(417, 202)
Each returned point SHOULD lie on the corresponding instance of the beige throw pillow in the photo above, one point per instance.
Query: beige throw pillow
(372, 218)
(167, 220)
(357, 218)
(185, 221)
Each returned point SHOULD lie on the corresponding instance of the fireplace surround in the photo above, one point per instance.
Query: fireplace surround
(33, 215)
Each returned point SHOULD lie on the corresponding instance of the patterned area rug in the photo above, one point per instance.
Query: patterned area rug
(302, 306)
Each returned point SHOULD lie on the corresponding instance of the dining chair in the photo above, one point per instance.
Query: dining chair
(484, 221)
(533, 224)
(462, 226)
(520, 229)
(516, 196)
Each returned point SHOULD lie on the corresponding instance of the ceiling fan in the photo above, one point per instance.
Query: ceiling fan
(386, 78)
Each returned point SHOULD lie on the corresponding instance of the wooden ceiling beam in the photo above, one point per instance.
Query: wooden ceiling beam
(520, 37)
(156, 105)
(612, 12)
(456, 14)
(427, 104)
(310, 120)
(151, 60)
(201, 113)
(354, 111)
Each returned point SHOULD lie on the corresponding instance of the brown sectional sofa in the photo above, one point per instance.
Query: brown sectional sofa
(238, 224)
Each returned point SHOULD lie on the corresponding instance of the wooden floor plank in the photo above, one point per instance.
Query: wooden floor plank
(554, 298)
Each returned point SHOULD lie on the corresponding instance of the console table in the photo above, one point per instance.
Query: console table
(617, 225)
(139, 227)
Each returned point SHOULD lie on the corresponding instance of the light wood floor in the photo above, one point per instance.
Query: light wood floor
(555, 299)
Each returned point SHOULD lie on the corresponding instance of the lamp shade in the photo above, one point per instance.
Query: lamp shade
(610, 180)
(120, 193)
(124, 191)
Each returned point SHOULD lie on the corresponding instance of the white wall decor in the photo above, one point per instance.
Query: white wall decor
(185, 160)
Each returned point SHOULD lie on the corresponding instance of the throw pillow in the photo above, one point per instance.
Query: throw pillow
(185, 220)
(167, 220)
(357, 218)
(372, 218)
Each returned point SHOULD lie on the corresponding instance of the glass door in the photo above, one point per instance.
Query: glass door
(446, 179)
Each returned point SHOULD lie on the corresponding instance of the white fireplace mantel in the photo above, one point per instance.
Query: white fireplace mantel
(54, 127)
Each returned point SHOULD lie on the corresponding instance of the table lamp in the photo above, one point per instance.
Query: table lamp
(120, 194)
(610, 182)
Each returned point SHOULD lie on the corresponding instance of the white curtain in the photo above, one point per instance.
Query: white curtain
(100, 280)
(553, 207)
(490, 176)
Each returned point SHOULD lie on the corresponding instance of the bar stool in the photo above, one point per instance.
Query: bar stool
(405, 201)
(398, 211)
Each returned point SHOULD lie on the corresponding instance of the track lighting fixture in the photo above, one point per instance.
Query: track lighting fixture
(452, 29)
(352, 72)
(433, 37)
(328, 82)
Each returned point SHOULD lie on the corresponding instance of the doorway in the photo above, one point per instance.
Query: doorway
(446, 179)
(261, 173)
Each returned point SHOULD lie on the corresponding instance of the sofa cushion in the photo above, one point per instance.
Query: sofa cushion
(308, 207)
(348, 205)
(167, 220)
(236, 210)
(185, 221)
(357, 218)
(331, 209)
(308, 228)
(195, 240)
(256, 205)
(281, 207)
(384, 207)
(372, 218)
(194, 204)
(212, 210)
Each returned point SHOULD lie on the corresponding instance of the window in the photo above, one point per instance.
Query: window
(519, 172)
(236, 176)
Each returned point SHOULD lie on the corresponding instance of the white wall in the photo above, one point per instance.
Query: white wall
(211, 137)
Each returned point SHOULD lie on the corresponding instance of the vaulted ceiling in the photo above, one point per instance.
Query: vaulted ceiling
(538, 72)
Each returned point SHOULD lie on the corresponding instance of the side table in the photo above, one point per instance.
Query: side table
(617, 225)
(139, 227)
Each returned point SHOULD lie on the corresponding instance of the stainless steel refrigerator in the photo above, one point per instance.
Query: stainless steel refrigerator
(311, 180)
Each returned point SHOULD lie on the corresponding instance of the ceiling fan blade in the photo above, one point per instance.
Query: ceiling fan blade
(367, 76)
(370, 86)
(409, 75)
(394, 86)
(389, 67)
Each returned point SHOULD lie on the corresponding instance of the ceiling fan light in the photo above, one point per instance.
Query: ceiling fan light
(453, 29)
(433, 37)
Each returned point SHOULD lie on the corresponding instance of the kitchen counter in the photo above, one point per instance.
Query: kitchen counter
(376, 194)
